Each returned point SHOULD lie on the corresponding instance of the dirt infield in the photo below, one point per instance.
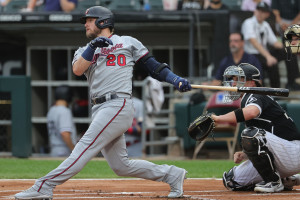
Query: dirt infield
(87, 189)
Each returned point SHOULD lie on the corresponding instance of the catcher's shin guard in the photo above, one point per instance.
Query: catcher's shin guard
(254, 145)
(230, 184)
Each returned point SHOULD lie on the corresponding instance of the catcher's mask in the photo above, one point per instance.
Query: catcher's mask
(233, 76)
(292, 40)
(101, 14)
(236, 76)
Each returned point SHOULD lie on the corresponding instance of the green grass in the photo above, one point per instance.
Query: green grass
(13, 168)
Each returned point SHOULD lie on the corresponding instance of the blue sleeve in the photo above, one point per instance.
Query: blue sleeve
(221, 69)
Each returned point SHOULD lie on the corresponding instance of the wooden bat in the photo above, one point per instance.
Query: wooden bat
(254, 90)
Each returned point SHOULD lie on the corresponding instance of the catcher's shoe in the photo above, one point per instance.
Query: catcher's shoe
(291, 181)
(31, 193)
(269, 187)
(177, 186)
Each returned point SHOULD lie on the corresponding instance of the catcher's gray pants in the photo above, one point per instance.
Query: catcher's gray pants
(286, 159)
(105, 134)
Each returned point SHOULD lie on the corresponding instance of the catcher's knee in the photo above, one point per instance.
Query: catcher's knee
(253, 140)
(231, 184)
(254, 146)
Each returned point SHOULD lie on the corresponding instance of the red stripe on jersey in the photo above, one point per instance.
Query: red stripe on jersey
(86, 148)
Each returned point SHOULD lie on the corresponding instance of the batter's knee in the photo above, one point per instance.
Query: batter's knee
(122, 168)
(231, 184)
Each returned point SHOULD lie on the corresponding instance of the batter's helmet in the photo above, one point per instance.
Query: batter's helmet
(102, 14)
(293, 30)
(63, 92)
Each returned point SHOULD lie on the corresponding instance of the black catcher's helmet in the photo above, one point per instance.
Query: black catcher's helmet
(102, 14)
(251, 72)
(63, 92)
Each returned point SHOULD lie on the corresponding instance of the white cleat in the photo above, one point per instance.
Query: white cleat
(32, 194)
(177, 187)
(291, 181)
(269, 187)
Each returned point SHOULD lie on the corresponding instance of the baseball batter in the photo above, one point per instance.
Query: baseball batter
(270, 143)
(107, 62)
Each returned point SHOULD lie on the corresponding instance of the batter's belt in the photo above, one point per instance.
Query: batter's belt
(107, 97)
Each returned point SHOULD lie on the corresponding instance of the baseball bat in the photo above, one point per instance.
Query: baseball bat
(254, 90)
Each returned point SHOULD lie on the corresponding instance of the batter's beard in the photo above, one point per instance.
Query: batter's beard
(93, 35)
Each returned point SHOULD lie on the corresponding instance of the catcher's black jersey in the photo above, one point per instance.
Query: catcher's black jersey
(272, 117)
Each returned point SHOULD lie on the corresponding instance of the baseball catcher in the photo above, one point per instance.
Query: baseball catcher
(270, 135)
(201, 127)
(291, 40)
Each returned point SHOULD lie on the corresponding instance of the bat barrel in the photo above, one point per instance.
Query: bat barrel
(265, 91)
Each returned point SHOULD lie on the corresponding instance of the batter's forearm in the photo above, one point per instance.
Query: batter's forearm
(80, 66)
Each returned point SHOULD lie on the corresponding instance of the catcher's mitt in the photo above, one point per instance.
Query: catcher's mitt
(201, 127)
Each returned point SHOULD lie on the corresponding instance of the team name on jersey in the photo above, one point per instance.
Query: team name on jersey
(106, 51)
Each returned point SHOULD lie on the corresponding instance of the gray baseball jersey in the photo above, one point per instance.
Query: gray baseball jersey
(59, 119)
(111, 70)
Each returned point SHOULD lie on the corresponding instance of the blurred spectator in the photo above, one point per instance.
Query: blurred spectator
(53, 5)
(286, 13)
(3, 3)
(258, 37)
(61, 129)
(250, 5)
(217, 5)
(133, 134)
(237, 56)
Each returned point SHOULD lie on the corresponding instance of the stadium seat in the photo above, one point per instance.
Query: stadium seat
(182, 122)
(156, 4)
(15, 6)
(125, 5)
(233, 4)
(223, 132)
(85, 4)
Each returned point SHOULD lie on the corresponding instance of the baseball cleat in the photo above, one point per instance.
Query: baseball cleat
(269, 187)
(291, 181)
(177, 187)
(32, 194)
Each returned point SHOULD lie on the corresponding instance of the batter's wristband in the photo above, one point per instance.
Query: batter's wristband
(88, 54)
(239, 115)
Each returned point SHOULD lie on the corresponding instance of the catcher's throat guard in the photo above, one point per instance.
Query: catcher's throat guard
(201, 127)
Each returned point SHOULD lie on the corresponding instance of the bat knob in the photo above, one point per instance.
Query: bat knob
(180, 83)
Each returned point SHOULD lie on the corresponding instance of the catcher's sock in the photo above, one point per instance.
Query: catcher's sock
(177, 186)
(31, 193)
(269, 187)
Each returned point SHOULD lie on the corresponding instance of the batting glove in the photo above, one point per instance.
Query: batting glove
(182, 84)
(100, 42)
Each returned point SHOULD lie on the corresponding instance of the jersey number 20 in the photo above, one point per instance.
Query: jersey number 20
(112, 59)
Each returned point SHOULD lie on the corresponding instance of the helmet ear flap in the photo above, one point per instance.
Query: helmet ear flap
(97, 23)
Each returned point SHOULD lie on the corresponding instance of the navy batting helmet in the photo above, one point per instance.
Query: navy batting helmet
(102, 14)
(63, 93)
